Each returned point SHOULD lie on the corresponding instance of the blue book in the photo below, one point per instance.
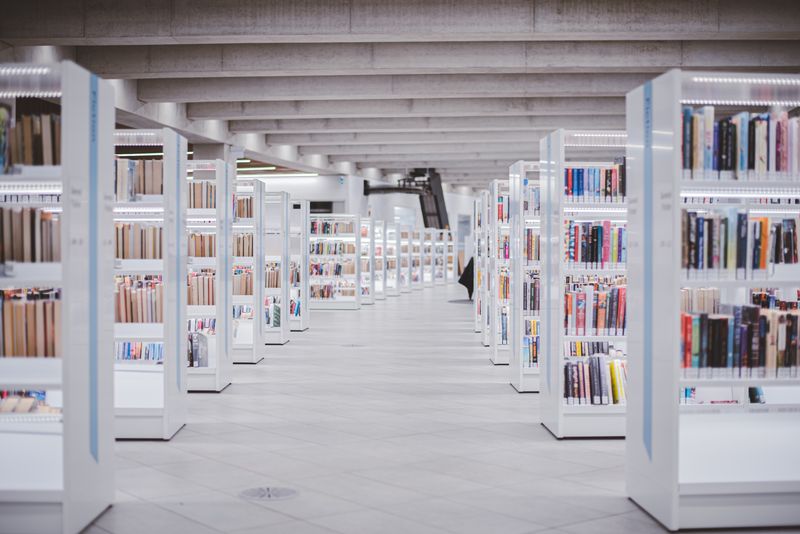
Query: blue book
(730, 342)
(687, 137)
(742, 137)
(700, 249)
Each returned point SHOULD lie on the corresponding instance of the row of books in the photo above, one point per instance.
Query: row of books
(273, 276)
(31, 322)
(734, 240)
(242, 283)
(202, 288)
(202, 245)
(138, 299)
(32, 140)
(332, 268)
(503, 285)
(581, 349)
(138, 350)
(243, 245)
(745, 146)
(502, 327)
(532, 245)
(331, 227)
(242, 311)
(272, 311)
(138, 177)
(595, 243)
(700, 299)
(202, 194)
(504, 247)
(243, 208)
(366, 267)
(332, 247)
(594, 309)
(294, 274)
(26, 402)
(295, 307)
(332, 290)
(29, 235)
(530, 342)
(740, 342)
(595, 184)
(138, 241)
(197, 349)
(531, 201)
(531, 294)
(598, 380)
(503, 208)
(773, 300)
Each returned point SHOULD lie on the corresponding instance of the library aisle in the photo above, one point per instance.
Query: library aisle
(396, 422)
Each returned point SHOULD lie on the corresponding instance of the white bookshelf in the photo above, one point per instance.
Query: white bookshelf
(275, 319)
(498, 271)
(217, 221)
(300, 319)
(58, 469)
(249, 345)
(416, 246)
(441, 237)
(392, 257)
(560, 150)
(451, 257)
(150, 396)
(331, 290)
(406, 258)
(367, 260)
(477, 262)
(702, 466)
(379, 232)
(523, 181)
(428, 243)
(485, 280)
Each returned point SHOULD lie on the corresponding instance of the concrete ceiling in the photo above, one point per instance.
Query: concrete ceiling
(374, 87)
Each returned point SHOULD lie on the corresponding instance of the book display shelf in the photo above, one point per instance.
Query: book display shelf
(379, 234)
(392, 256)
(715, 199)
(486, 280)
(583, 253)
(248, 288)
(367, 258)
(450, 261)
(150, 274)
(428, 242)
(335, 266)
(56, 425)
(406, 258)
(477, 262)
(300, 316)
(416, 259)
(523, 182)
(439, 255)
(274, 322)
(210, 269)
(499, 272)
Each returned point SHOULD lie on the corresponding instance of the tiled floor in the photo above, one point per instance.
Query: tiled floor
(386, 420)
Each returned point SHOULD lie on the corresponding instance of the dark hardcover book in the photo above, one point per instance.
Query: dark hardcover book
(737, 324)
(703, 340)
(741, 244)
(700, 242)
(596, 385)
(751, 145)
(717, 147)
(608, 184)
(776, 242)
(763, 332)
(723, 233)
(709, 238)
(756, 245)
(687, 137)
(567, 382)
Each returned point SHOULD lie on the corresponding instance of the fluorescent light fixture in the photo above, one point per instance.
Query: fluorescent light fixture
(248, 169)
(141, 155)
(286, 175)
(741, 79)
(742, 103)
(244, 160)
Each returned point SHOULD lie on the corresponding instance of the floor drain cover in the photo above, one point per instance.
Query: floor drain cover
(268, 494)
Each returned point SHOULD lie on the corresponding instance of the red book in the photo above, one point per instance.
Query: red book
(580, 314)
(569, 182)
(621, 310)
(686, 333)
(606, 241)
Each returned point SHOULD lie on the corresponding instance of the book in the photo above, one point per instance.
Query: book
(596, 380)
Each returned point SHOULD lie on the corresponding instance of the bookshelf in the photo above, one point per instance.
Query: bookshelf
(440, 255)
(300, 316)
(428, 243)
(485, 266)
(379, 233)
(451, 257)
(58, 453)
(367, 259)
(499, 272)
(393, 264)
(416, 259)
(210, 268)
(335, 266)
(276, 268)
(406, 258)
(685, 459)
(523, 182)
(477, 262)
(150, 388)
(583, 226)
(247, 289)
